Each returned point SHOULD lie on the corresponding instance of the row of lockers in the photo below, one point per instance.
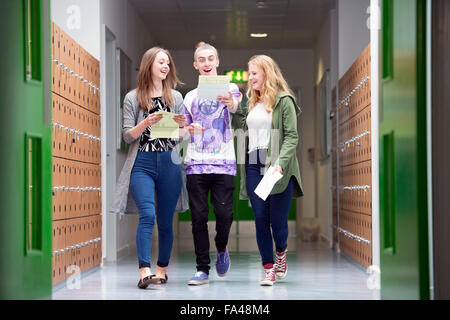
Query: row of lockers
(76, 158)
(358, 124)
(76, 246)
(71, 232)
(74, 173)
(355, 136)
(73, 88)
(75, 260)
(354, 88)
(70, 145)
(75, 73)
(359, 247)
(70, 203)
(76, 189)
(358, 174)
(358, 71)
(356, 201)
(357, 224)
(71, 115)
(355, 191)
(360, 99)
(351, 162)
(358, 251)
(67, 51)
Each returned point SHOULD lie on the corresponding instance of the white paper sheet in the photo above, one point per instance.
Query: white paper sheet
(166, 128)
(267, 183)
(209, 87)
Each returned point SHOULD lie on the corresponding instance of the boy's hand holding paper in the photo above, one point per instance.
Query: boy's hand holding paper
(210, 87)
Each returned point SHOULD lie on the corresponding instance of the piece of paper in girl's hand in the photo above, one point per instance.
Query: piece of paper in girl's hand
(267, 183)
(166, 127)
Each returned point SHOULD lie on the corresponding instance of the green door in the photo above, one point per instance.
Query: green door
(26, 159)
(403, 180)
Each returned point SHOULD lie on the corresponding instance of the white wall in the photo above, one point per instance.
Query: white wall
(326, 59)
(80, 19)
(354, 35)
(298, 68)
(133, 38)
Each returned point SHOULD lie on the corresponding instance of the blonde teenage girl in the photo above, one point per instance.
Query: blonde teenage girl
(271, 120)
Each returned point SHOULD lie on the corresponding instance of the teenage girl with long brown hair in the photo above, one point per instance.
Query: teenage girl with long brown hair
(150, 169)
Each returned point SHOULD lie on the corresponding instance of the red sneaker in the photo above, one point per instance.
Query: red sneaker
(269, 278)
(280, 265)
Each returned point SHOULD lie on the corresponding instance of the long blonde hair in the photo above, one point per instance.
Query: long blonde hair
(145, 82)
(273, 85)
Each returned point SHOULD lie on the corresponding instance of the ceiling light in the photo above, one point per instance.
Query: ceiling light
(261, 4)
(258, 35)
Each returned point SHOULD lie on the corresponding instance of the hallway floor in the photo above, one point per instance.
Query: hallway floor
(315, 272)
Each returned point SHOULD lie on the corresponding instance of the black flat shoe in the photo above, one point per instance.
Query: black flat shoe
(154, 280)
(144, 283)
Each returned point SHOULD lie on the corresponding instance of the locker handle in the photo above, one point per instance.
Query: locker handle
(33, 194)
(389, 193)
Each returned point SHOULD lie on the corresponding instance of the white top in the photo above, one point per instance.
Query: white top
(259, 123)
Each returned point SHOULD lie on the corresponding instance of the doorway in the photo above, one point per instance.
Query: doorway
(109, 92)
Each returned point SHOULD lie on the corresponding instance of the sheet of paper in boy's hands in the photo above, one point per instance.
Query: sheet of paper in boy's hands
(166, 127)
(267, 183)
(209, 87)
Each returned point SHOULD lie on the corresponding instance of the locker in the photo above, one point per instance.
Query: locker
(56, 108)
(57, 57)
(69, 67)
(64, 62)
(76, 71)
(82, 89)
(58, 260)
(56, 193)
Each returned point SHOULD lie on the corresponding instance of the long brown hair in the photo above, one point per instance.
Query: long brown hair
(274, 84)
(145, 81)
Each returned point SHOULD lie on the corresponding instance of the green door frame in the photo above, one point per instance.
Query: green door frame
(26, 166)
(403, 148)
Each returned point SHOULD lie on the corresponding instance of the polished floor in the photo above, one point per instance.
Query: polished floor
(315, 272)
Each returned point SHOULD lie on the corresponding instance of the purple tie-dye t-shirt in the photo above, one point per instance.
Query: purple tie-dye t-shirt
(213, 151)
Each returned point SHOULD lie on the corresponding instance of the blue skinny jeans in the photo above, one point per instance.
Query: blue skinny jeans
(154, 173)
(271, 216)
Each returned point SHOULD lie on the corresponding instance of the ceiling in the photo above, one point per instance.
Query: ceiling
(227, 24)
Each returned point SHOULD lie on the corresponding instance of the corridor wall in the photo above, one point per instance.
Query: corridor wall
(76, 157)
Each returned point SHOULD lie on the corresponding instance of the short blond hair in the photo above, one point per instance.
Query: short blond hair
(204, 46)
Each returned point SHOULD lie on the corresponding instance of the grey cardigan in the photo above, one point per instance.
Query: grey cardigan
(123, 201)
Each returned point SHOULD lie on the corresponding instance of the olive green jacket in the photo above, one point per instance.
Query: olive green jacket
(282, 146)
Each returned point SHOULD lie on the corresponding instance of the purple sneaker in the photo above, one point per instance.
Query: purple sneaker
(223, 263)
(199, 278)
